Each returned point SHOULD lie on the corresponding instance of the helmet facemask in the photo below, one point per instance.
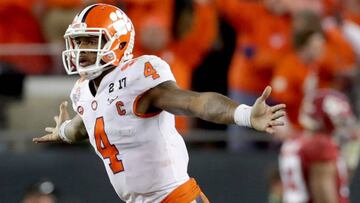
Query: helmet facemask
(115, 34)
(71, 56)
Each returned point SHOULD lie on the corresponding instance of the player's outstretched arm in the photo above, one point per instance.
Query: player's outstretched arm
(214, 107)
(73, 130)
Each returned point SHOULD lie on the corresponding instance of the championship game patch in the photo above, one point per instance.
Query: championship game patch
(76, 95)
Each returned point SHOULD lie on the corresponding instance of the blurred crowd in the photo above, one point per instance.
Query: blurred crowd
(235, 47)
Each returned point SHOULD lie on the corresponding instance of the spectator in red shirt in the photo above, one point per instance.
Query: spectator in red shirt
(311, 167)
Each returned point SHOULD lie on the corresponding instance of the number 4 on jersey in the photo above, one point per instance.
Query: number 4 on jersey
(107, 150)
(149, 70)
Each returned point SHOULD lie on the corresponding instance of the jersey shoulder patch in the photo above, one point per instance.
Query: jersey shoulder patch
(77, 91)
(147, 71)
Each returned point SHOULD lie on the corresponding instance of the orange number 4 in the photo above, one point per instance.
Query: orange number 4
(149, 70)
(107, 150)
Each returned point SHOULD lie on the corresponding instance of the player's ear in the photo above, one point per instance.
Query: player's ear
(122, 45)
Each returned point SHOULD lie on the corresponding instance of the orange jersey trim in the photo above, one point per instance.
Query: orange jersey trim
(146, 115)
(185, 193)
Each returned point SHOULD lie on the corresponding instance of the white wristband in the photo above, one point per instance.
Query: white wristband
(62, 132)
(242, 115)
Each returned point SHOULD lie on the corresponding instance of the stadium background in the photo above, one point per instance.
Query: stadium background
(33, 83)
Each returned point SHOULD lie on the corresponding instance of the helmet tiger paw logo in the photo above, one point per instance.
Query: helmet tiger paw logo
(122, 23)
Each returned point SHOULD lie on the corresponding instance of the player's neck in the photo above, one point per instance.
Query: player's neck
(98, 80)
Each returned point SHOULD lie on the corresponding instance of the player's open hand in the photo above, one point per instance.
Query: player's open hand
(264, 117)
(53, 132)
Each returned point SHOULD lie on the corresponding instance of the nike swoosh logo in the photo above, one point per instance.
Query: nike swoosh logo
(111, 99)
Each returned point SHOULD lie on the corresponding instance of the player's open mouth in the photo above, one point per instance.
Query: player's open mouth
(84, 62)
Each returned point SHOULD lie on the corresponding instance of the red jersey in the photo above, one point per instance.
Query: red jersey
(296, 157)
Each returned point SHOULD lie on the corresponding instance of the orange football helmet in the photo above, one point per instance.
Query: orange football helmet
(108, 23)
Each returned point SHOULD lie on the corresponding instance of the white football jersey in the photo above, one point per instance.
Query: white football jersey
(144, 155)
(291, 173)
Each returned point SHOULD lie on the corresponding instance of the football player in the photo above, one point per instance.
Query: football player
(311, 166)
(125, 107)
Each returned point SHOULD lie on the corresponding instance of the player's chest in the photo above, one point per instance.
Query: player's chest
(114, 103)
(109, 115)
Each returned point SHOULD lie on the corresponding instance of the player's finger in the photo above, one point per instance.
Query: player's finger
(270, 130)
(45, 138)
(277, 115)
(277, 123)
(63, 106)
(56, 119)
(265, 94)
(278, 107)
(49, 138)
(49, 129)
(64, 114)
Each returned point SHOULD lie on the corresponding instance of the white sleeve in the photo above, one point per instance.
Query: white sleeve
(155, 71)
(75, 95)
